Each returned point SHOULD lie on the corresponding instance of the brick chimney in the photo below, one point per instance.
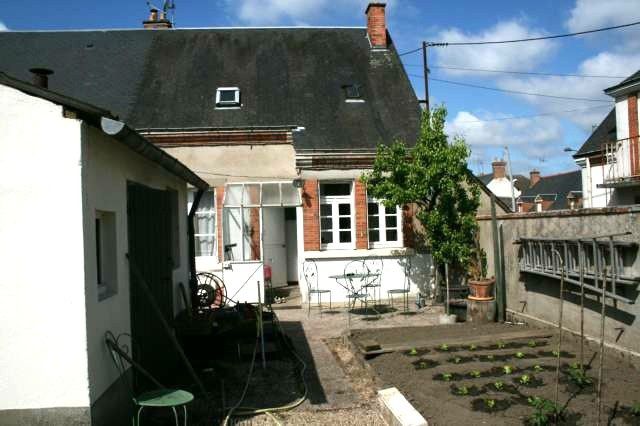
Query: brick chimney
(156, 20)
(376, 25)
(534, 177)
(499, 169)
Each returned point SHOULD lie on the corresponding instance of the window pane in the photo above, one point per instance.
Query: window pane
(345, 223)
(345, 236)
(373, 208)
(251, 195)
(374, 236)
(326, 223)
(270, 193)
(227, 95)
(326, 237)
(335, 189)
(205, 246)
(374, 222)
(204, 224)
(344, 209)
(325, 210)
(391, 221)
(392, 235)
(206, 202)
(290, 195)
(233, 195)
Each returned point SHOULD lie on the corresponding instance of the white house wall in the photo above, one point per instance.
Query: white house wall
(43, 355)
(107, 166)
(623, 164)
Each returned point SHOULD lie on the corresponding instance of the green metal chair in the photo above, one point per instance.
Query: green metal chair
(157, 398)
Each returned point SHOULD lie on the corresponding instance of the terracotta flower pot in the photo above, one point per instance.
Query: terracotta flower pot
(481, 289)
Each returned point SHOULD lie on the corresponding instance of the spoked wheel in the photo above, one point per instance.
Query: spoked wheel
(211, 292)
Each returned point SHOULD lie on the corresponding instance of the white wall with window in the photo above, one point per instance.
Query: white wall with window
(385, 225)
(337, 223)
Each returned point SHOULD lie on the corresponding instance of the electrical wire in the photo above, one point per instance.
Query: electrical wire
(547, 74)
(476, 43)
(551, 113)
(495, 89)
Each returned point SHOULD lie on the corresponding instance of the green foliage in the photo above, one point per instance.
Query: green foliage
(531, 343)
(474, 373)
(413, 352)
(446, 376)
(444, 347)
(501, 344)
(538, 368)
(544, 411)
(490, 357)
(635, 409)
(457, 360)
(579, 377)
(555, 354)
(422, 365)
(519, 355)
(490, 403)
(525, 379)
(507, 369)
(462, 390)
(498, 385)
(472, 347)
(434, 175)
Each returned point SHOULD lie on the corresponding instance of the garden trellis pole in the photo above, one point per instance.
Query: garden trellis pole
(562, 271)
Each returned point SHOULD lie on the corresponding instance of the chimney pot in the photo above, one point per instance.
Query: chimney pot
(534, 177)
(157, 20)
(499, 169)
(41, 77)
(377, 25)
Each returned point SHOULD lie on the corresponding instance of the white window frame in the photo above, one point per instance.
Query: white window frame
(228, 104)
(382, 226)
(211, 212)
(335, 201)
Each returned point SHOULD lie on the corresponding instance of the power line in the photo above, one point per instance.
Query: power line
(495, 89)
(516, 117)
(476, 43)
(549, 74)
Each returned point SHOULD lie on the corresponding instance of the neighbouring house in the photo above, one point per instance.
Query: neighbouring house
(106, 198)
(553, 192)
(610, 157)
(499, 183)
(281, 122)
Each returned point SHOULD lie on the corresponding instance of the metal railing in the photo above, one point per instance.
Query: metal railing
(617, 158)
(585, 261)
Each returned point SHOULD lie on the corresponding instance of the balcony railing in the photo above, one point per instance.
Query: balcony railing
(621, 160)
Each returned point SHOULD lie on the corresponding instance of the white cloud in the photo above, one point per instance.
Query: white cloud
(3, 27)
(590, 14)
(296, 12)
(507, 56)
(604, 63)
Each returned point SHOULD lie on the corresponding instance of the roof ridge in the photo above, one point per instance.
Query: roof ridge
(292, 27)
(560, 174)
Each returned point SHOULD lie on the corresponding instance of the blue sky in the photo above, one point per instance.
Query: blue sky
(478, 115)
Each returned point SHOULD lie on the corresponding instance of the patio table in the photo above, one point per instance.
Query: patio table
(351, 289)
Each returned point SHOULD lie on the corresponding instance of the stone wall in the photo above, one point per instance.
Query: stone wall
(537, 297)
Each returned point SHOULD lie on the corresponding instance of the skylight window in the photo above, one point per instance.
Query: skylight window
(228, 97)
(353, 93)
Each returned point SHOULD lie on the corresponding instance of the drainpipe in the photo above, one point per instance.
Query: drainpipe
(193, 282)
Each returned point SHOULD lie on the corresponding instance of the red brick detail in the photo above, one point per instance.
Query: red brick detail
(219, 198)
(254, 219)
(360, 196)
(376, 25)
(311, 215)
(408, 232)
(499, 169)
(632, 108)
(219, 138)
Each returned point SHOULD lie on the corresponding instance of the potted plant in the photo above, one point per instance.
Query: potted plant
(480, 287)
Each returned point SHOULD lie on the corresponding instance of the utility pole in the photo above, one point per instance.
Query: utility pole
(513, 195)
(426, 75)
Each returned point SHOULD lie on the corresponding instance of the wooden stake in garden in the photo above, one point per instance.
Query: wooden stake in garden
(603, 316)
(559, 325)
(581, 261)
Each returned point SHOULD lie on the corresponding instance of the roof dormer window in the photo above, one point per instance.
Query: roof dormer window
(353, 93)
(228, 97)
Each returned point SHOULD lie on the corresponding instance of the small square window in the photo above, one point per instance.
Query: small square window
(228, 97)
(352, 91)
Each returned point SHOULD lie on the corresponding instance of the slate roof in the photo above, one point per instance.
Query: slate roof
(631, 79)
(556, 187)
(167, 79)
(605, 132)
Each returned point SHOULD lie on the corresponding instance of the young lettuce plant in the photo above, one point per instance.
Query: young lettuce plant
(544, 412)
(525, 379)
(507, 369)
(498, 385)
(519, 355)
(446, 376)
(475, 374)
(490, 403)
(462, 391)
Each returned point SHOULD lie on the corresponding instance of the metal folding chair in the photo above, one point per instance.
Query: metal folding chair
(406, 288)
(354, 273)
(310, 272)
(374, 267)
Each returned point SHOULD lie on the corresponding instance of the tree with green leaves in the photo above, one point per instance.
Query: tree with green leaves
(433, 175)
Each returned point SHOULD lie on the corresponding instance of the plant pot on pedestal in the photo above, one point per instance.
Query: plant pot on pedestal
(481, 289)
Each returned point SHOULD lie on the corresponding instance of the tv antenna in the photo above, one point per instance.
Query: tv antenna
(168, 9)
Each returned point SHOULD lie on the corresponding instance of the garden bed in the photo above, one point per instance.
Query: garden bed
(488, 376)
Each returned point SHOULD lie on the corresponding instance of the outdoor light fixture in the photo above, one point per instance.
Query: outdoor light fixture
(298, 183)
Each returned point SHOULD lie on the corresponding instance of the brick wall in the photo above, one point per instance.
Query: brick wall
(360, 198)
(632, 105)
(376, 25)
(310, 215)
(219, 198)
